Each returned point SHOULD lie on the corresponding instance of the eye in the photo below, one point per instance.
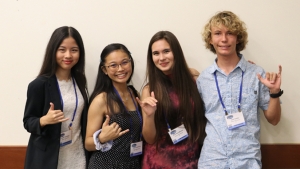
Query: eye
(61, 49)
(125, 62)
(75, 50)
(166, 51)
(155, 53)
(113, 65)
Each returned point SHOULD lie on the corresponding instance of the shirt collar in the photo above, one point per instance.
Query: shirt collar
(242, 64)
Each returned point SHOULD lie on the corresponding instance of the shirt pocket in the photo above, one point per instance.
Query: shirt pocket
(250, 97)
(211, 100)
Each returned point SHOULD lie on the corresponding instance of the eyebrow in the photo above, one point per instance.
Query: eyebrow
(162, 50)
(121, 60)
(71, 47)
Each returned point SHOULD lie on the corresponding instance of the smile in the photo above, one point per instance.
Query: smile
(164, 64)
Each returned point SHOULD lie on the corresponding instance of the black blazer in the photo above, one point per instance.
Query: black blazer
(44, 143)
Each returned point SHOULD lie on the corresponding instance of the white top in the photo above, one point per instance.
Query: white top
(71, 156)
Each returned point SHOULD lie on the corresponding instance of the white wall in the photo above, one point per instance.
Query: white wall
(26, 26)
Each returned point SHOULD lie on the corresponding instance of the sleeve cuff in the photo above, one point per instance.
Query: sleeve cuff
(102, 147)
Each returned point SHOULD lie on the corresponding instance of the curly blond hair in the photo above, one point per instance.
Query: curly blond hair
(230, 21)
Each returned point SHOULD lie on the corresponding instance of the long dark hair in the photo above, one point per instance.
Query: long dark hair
(104, 83)
(181, 81)
(49, 66)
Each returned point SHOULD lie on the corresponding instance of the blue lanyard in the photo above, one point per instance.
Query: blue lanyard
(220, 98)
(169, 128)
(140, 117)
(62, 101)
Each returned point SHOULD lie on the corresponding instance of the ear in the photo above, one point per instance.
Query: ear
(104, 70)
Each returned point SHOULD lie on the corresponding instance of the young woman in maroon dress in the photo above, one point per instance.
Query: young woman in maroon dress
(170, 102)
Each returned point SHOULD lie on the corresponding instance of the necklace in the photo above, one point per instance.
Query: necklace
(124, 95)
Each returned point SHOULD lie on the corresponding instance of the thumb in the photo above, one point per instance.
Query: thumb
(51, 106)
(106, 122)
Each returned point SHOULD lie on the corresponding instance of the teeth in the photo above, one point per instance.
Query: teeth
(121, 75)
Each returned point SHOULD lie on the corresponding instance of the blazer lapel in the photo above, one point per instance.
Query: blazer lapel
(54, 93)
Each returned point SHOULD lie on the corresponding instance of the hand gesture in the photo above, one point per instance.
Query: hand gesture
(148, 104)
(53, 116)
(110, 132)
(272, 80)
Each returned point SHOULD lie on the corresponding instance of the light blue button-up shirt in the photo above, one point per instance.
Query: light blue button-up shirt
(237, 148)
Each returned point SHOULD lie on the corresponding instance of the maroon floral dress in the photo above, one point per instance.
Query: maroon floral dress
(183, 155)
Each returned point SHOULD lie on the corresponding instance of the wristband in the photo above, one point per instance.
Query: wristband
(102, 147)
(276, 95)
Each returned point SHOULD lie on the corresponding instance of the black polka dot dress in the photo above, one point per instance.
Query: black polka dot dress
(119, 155)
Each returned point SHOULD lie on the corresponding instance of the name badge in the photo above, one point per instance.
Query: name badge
(65, 138)
(136, 148)
(235, 120)
(178, 134)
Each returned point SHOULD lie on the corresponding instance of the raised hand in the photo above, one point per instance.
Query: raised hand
(272, 80)
(110, 132)
(53, 116)
(148, 104)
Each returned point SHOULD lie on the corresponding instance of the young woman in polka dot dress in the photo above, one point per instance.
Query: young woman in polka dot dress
(114, 120)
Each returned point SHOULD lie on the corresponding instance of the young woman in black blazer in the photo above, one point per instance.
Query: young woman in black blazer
(56, 107)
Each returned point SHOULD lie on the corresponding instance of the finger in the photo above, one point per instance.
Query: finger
(123, 132)
(51, 106)
(59, 116)
(106, 122)
(271, 77)
(280, 69)
(251, 62)
(113, 125)
(138, 100)
(259, 77)
(63, 120)
(268, 76)
(151, 102)
(274, 78)
(152, 94)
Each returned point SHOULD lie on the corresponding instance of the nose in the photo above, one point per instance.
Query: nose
(161, 56)
(120, 68)
(224, 37)
(68, 54)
